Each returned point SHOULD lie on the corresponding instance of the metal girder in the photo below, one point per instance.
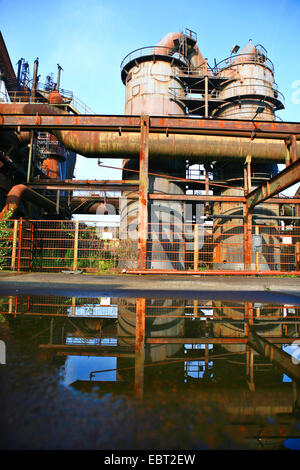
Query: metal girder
(43, 121)
(280, 182)
(143, 194)
(86, 185)
(274, 354)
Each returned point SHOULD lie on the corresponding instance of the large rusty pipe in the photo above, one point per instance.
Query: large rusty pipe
(19, 192)
(197, 148)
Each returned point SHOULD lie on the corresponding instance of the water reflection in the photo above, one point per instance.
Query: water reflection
(240, 357)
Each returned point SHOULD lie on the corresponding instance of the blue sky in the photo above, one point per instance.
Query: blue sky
(89, 40)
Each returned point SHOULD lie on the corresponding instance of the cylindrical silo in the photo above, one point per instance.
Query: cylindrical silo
(148, 75)
(248, 93)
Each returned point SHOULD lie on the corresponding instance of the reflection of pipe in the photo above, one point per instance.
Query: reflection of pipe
(19, 192)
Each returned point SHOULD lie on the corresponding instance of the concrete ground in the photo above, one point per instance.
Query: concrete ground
(267, 289)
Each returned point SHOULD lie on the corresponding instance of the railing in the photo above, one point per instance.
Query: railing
(192, 93)
(150, 51)
(80, 106)
(237, 59)
(212, 245)
(258, 87)
(48, 146)
(16, 245)
(68, 99)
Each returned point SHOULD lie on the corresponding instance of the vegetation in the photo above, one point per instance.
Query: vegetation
(5, 240)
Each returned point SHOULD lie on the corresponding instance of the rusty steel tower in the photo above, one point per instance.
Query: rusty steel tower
(173, 79)
(200, 146)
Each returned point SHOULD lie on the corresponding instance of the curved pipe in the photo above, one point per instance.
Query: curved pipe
(19, 192)
(195, 57)
(168, 41)
(197, 60)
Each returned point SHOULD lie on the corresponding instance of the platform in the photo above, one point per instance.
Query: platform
(272, 289)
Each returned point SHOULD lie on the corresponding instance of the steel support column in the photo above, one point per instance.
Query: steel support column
(247, 238)
(143, 194)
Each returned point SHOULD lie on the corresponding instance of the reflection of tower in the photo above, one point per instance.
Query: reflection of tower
(163, 320)
(240, 313)
(248, 91)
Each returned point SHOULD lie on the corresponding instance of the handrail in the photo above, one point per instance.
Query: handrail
(150, 50)
(273, 93)
(189, 93)
(76, 103)
(197, 71)
(231, 61)
(268, 92)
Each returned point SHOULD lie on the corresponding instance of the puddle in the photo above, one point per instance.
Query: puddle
(149, 373)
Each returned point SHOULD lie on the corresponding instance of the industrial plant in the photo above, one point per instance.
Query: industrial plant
(206, 162)
(201, 146)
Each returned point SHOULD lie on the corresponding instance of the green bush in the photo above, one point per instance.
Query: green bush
(5, 241)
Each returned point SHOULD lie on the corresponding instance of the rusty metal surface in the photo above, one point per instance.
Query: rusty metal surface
(143, 194)
(42, 116)
(86, 185)
(278, 183)
(274, 354)
(19, 192)
(179, 137)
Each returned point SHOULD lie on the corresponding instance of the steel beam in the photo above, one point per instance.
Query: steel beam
(274, 354)
(86, 185)
(14, 116)
(286, 178)
(206, 340)
(143, 194)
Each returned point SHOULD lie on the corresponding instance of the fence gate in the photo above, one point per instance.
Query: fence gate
(20, 245)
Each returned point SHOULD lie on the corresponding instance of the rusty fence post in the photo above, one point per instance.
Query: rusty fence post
(196, 247)
(256, 228)
(143, 194)
(247, 216)
(14, 246)
(20, 244)
(31, 245)
(247, 238)
(139, 347)
(75, 256)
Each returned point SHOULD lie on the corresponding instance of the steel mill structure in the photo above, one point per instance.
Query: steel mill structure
(201, 187)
